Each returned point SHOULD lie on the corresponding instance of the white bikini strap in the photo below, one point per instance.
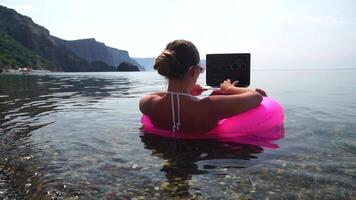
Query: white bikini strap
(178, 113)
(175, 123)
(173, 114)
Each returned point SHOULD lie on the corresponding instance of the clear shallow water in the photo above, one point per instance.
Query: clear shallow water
(78, 136)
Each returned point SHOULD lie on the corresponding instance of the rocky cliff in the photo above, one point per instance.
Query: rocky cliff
(92, 50)
(51, 52)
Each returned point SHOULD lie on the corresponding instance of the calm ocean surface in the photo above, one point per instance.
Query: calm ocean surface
(77, 135)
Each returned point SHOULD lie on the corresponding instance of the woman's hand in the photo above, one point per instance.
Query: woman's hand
(226, 86)
(261, 92)
(229, 88)
(197, 90)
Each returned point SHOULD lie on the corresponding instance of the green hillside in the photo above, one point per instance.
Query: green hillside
(14, 55)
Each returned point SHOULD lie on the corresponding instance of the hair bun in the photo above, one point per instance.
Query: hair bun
(165, 63)
(176, 59)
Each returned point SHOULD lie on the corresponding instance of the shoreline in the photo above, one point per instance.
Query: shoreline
(15, 71)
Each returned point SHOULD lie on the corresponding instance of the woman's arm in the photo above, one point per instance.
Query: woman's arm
(223, 106)
(143, 103)
(236, 100)
(226, 88)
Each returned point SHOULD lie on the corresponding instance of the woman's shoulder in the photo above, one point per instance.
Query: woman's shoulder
(152, 96)
(148, 100)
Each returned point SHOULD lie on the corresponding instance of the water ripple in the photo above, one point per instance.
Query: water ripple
(77, 135)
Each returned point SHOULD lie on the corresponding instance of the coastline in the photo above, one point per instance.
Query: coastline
(15, 71)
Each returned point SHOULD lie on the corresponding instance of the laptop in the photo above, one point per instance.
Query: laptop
(233, 66)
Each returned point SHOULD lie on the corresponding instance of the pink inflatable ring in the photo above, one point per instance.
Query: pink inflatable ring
(268, 115)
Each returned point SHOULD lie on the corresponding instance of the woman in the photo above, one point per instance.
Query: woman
(178, 109)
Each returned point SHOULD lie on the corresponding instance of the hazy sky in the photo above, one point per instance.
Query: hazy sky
(280, 33)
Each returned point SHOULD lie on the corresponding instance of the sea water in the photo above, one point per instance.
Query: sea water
(78, 135)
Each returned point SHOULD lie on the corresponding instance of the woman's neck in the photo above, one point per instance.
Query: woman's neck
(178, 86)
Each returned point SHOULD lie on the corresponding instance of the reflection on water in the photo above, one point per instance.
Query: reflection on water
(183, 155)
(78, 136)
(184, 158)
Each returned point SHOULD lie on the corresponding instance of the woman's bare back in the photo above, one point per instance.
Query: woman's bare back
(193, 113)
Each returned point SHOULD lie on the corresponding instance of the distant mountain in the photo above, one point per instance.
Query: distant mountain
(24, 43)
(148, 63)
